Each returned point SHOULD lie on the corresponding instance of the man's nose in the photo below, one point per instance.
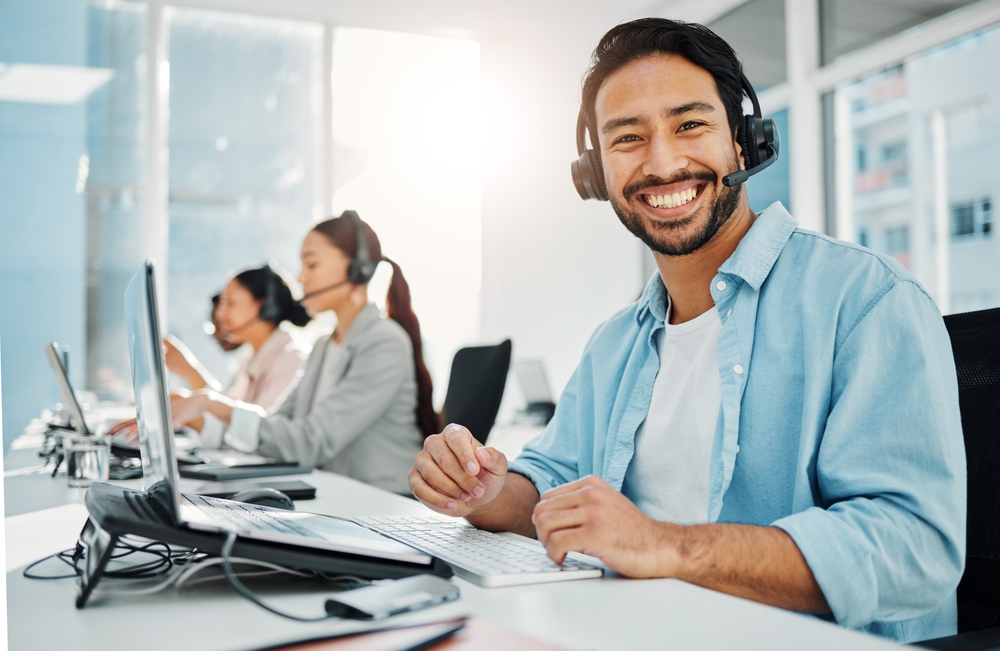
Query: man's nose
(664, 157)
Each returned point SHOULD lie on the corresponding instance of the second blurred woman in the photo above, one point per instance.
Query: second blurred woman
(251, 307)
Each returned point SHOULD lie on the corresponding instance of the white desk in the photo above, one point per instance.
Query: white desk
(611, 613)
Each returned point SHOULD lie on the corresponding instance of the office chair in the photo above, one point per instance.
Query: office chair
(478, 377)
(975, 341)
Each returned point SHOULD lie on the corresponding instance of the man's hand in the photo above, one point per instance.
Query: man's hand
(591, 517)
(454, 474)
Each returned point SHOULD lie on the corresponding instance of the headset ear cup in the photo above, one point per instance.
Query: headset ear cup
(360, 272)
(588, 176)
(269, 309)
(597, 174)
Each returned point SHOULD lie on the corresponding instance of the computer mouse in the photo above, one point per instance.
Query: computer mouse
(265, 497)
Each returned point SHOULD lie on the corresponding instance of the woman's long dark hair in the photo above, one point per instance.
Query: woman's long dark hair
(340, 233)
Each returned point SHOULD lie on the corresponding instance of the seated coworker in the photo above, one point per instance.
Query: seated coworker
(776, 417)
(363, 405)
(250, 310)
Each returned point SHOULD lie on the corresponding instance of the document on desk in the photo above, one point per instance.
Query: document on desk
(35, 535)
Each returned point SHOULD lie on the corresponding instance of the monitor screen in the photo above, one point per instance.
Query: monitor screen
(152, 403)
(533, 380)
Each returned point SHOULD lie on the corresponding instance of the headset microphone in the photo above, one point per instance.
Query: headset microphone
(323, 290)
(227, 335)
(758, 138)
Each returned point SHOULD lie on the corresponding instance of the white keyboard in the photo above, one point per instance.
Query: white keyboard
(489, 559)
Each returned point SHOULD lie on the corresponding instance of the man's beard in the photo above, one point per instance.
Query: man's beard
(648, 231)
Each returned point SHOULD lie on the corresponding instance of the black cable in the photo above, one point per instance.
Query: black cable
(162, 564)
(242, 590)
(60, 555)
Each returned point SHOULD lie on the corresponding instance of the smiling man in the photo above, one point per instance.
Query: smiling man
(776, 417)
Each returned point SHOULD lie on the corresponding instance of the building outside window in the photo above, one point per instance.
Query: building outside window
(902, 167)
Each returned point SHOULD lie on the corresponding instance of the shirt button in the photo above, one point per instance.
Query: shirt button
(729, 313)
(737, 449)
(738, 369)
(721, 285)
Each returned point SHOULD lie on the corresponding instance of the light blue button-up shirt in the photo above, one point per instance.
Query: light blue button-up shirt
(839, 421)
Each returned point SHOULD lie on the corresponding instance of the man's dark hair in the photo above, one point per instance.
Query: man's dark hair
(645, 37)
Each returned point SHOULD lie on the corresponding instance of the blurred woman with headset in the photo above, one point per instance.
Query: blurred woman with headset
(363, 405)
(250, 310)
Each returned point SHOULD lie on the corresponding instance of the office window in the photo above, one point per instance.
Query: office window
(909, 134)
(756, 30)
(114, 188)
(847, 25)
(963, 220)
(407, 137)
(245, 142)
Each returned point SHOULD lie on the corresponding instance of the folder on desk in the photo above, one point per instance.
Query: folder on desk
(451, 635)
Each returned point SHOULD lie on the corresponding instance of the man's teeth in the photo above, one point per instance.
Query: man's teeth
(672, 200)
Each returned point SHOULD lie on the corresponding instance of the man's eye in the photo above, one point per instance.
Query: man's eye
(687, 126)
(628, 138)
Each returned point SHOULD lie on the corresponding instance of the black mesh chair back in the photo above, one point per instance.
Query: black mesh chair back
(975, 341)
(478, 378)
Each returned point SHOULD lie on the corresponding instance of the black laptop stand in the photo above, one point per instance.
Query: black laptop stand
(116, 511)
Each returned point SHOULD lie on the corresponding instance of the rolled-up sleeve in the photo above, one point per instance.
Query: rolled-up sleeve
(889, 542)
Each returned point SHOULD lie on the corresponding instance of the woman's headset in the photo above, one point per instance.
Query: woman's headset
(361, 267)
(758, 138)
(270, 310)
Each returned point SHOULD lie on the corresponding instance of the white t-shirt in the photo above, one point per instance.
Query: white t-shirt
(668, 475)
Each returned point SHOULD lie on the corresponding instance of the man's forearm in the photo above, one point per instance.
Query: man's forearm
(511, 509)
(759, 563)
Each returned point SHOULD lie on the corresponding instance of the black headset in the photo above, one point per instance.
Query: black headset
(362, 267)
(757, 136)
(270, 310)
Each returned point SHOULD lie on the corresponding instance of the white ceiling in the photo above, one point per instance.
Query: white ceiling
(473, 18)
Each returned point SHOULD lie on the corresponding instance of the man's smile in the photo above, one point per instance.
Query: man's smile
(671, 200)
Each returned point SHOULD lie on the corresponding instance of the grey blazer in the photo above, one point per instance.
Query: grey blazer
(365, 426)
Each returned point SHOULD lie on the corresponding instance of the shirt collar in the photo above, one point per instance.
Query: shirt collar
(653, 300)
(752, 260)
(368, 315)
(758, 251)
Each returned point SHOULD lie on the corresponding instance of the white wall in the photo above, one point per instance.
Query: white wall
(554, 266)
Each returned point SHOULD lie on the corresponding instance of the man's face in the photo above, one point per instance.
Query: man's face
(665, 145)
